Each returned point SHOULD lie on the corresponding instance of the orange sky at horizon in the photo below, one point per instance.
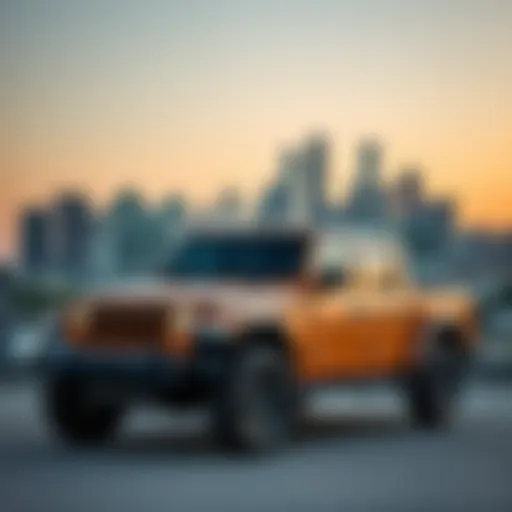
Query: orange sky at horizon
(483, 200)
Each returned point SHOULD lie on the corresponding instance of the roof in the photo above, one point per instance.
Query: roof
(241, 229)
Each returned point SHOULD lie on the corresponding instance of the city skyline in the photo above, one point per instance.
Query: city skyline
(193, 97)
(70, 237)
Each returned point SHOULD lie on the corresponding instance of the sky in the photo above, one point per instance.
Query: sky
(190, 96)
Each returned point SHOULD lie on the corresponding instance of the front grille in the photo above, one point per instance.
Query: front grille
(139, 325)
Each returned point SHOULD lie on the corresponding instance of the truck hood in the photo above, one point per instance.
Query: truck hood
(241, 300)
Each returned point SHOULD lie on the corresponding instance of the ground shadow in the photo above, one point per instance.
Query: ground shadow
(314, 431)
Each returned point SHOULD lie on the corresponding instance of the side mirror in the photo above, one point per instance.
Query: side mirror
(324, 280)
(331, 279)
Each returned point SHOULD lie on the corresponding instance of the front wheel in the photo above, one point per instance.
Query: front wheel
(77, 418)
(256, 407)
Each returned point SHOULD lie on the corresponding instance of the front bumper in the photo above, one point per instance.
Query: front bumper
(145, 372)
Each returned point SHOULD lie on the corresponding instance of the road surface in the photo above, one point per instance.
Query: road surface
(356, 454)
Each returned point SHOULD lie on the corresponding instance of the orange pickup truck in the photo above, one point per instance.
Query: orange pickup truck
(243, 321)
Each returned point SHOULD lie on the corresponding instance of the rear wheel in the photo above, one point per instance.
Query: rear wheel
(433, 390)
(77, 418)
(256, 407)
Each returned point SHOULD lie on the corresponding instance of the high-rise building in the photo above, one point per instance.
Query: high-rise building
(407, 195)
(369, 164)
(173, 211)
(134, 235)
(292, 186)
(367, 198)
(127, 228)
(72, 224)
(34, 234)
(316, 167)
(430, 228)
(274, 205)
(303, 175)
(277, 201)
(103, 254)
(441, 215)
(172, 218)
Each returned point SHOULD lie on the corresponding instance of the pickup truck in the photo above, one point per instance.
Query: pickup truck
(246, 321)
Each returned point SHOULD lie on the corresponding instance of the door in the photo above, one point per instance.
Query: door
(354, 316)
(393, 321)
(342, 316)
(327, 329)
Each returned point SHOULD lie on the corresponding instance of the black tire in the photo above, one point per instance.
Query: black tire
(255, 408)
(433, 389)
(77, 419)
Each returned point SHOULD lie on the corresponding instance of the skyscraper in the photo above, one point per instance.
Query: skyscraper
(126, 224)
(429, 229)
(34, 234)
(173, 212)
(408, 192)
(103, 260)
(171, 220)
(136, 234)
(273, 205)
(304, 173)
(316, 163)
(369, 164)
(72, 224)
(279, 197)
(367, 198)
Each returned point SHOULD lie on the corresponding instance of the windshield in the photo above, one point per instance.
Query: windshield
(238, 257)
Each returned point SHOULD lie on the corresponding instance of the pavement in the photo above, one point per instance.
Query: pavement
(356, 453)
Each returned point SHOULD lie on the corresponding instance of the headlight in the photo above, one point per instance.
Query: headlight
(77, 320)
(200, 318)
(218, 325)
(181, 320)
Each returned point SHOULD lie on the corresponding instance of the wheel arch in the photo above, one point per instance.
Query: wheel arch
(449, 335)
